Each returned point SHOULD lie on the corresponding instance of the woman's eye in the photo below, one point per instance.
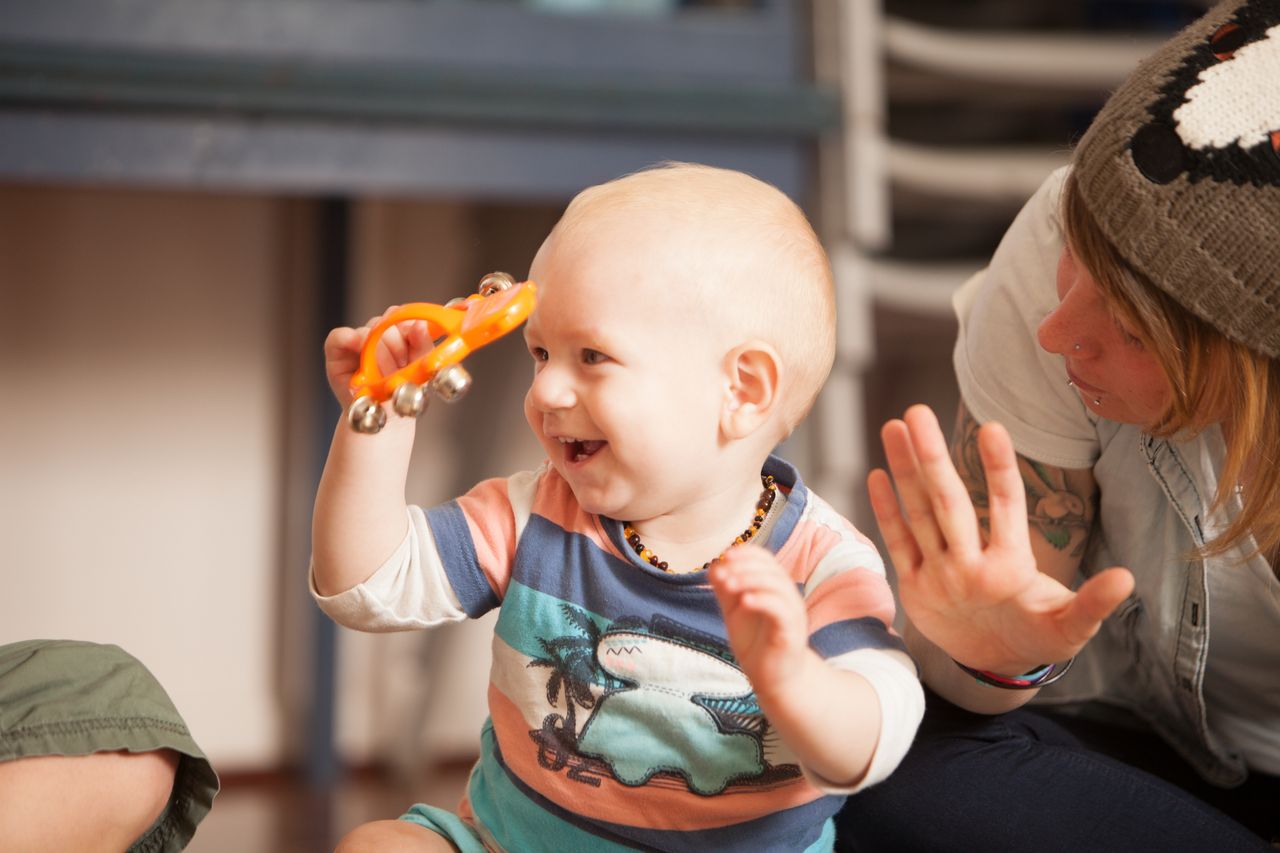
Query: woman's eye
(591, 356)
(1129, 337)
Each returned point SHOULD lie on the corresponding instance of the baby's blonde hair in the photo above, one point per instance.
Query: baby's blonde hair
(758, 264)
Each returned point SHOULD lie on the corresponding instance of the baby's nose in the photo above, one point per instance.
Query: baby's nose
(551, 389)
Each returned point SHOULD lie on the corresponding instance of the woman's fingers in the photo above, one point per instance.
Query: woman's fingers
(1094, 601)
(901, 545)
(948, 496)
(912, 488)
(1006, 492)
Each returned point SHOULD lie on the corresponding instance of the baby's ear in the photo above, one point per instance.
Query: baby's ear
(753, 372)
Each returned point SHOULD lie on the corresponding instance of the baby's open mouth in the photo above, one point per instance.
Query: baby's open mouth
(578, 450)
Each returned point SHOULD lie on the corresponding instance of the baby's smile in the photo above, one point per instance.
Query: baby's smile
(579, 450)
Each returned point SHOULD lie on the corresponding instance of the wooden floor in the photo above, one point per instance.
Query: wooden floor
(281, 813)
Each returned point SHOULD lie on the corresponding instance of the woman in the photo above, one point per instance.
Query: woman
(1120, 503)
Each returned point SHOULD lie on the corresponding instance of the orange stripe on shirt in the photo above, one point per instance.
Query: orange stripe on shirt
(806, 547)
(851, 594)
(555, 502)
(493, 533)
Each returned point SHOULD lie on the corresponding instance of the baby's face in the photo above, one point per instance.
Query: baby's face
(627, 387)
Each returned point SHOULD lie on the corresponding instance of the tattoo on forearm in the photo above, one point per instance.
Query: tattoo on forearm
(1059, 509)
(964, 452)
(1053, 508)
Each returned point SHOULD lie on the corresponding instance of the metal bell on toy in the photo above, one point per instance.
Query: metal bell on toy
(451, 383)
(365, 415)
(458, 327)
(495, 282)
(409, 400)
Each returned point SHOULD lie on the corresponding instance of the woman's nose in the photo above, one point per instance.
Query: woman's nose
(1066, 330)
(1053, 334)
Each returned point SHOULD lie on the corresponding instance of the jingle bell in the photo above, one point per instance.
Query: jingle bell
(409, 400)
(366, 416)
(495, 282)
(451, 383)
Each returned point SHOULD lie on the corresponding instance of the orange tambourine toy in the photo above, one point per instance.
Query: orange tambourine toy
(458, 328)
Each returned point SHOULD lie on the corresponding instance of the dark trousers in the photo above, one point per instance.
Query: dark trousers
(1039, 781)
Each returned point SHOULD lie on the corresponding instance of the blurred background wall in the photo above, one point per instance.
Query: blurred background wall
(191, 193)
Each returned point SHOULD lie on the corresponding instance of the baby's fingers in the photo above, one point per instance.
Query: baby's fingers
(343, 342)
(750, 566)
(417, 336)
(341, 358)
(757, 581)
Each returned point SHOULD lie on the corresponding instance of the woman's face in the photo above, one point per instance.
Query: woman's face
(1115, 374)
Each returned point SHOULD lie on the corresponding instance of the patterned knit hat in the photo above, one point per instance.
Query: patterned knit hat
(1181, 169)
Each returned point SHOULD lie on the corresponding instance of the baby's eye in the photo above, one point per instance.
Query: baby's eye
(591, 356)
(538, 353)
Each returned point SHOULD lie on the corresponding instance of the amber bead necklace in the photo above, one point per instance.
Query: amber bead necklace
(761, 513)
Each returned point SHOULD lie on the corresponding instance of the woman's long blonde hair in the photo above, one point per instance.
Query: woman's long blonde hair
(1213, 379)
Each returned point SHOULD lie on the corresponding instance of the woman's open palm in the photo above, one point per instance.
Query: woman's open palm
(982, 600)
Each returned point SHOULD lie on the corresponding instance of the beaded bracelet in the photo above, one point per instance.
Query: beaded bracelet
(1033, 680)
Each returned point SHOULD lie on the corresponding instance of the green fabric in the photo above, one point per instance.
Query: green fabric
(62, 697)
(444, 822)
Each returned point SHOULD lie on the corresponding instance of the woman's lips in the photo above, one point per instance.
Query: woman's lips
(1084, 386)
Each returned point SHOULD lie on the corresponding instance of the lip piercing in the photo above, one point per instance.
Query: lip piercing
(1097, 401)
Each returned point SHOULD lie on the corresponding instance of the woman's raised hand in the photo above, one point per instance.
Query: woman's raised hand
(982, 600)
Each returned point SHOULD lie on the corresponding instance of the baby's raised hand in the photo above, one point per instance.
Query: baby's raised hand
(400, 345)
(764, 614)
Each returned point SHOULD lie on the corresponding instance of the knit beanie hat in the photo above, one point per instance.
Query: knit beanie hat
(1181, 170)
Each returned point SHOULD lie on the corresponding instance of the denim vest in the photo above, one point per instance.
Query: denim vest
(1150, 655)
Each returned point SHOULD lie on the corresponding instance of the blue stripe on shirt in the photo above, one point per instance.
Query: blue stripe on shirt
(449, 526)
(849, 635)
(571, 567)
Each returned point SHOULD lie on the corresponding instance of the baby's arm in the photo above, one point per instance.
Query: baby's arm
(360, 515)
(829, 717)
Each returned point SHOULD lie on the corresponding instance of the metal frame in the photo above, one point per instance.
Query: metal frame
(394, 96)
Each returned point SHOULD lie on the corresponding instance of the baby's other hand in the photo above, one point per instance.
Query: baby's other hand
(764, 614)
(401, 344)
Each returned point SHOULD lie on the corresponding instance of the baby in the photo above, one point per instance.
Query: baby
(693, 650)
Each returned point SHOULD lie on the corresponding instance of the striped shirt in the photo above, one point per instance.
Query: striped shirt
(619, 718)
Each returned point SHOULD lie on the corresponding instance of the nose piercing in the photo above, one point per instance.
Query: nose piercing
(1076, 347)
